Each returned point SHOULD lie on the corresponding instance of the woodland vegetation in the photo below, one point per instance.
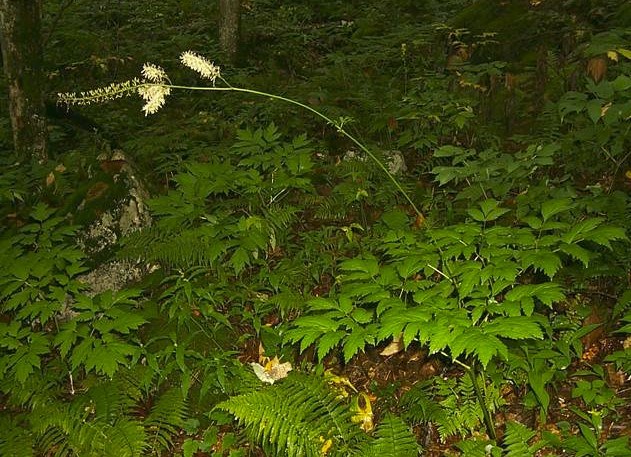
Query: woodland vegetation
(341, 228)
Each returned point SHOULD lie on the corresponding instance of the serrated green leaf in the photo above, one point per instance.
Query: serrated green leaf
(369, 266)
(548, 293)
(541, 260)
(578, 231)
(550, 208)
(356, 342)
(317, 322)
(66, 337)
(484, 347)
(322, 304)
(328, 341)
(516, 328)
(361, 315)
(577, 252)
(604, 234)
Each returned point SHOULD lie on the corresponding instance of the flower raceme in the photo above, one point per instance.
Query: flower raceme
(154, 87)
(206, 69)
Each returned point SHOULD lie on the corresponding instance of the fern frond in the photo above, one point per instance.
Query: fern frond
(392, 438)
(473, 448)
(281, 216)
(97, 423)
(517, 438)
(294, 418)
(183, 249)
(166, 418)
(15, 441)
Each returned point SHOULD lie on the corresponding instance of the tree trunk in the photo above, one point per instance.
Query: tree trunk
(229, 28)
(20, 30)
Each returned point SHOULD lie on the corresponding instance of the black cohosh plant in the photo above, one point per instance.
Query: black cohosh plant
(155, 87)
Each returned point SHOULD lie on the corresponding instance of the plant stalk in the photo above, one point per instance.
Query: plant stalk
(488, 420)
(337, 125)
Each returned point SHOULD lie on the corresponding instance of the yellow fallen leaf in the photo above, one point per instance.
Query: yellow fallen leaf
(340, 383)
(362, 408)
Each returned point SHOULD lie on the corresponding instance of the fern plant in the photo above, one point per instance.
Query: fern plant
(303, 416)
(102, 421)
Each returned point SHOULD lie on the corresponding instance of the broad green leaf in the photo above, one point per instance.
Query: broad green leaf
(369, 266)
(550, 208)
(66, 338)
(604, 234)
(322, 304)
(577, 233)
(321, 323)
(476, 214)
(516, 328)
(356, 341)
(577, 252)
(548, 293)
(545, 261)
(474, 342)
(589, 435)
(361, 315)
(24, 362)
(594, 110)
(328, 341)
(448, 151)
(537, 382)
(394, 321)
(239, 260)
(532, 221)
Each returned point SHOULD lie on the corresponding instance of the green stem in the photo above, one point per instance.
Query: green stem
(330, 121)
(488, 420)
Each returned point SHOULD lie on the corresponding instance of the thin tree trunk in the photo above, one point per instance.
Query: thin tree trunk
(20, 30)
(229, 27)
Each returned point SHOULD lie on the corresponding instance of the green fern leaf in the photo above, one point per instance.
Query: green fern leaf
(166, 419)
(517, 438)
(295, 417)
(393, 438)
(15, 441)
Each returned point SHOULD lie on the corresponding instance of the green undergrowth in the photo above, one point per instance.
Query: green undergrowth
(499, 251)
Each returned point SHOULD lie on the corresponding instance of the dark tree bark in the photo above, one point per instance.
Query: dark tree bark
(229, 27)
(20, 35)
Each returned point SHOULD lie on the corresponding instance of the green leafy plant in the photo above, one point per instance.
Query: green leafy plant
(303, 416)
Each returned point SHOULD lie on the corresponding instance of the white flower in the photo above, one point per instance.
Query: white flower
(154, 96)
(154, 73)
(201, 65)
(153, 91)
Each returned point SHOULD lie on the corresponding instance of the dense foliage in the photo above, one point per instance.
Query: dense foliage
(462, 220)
